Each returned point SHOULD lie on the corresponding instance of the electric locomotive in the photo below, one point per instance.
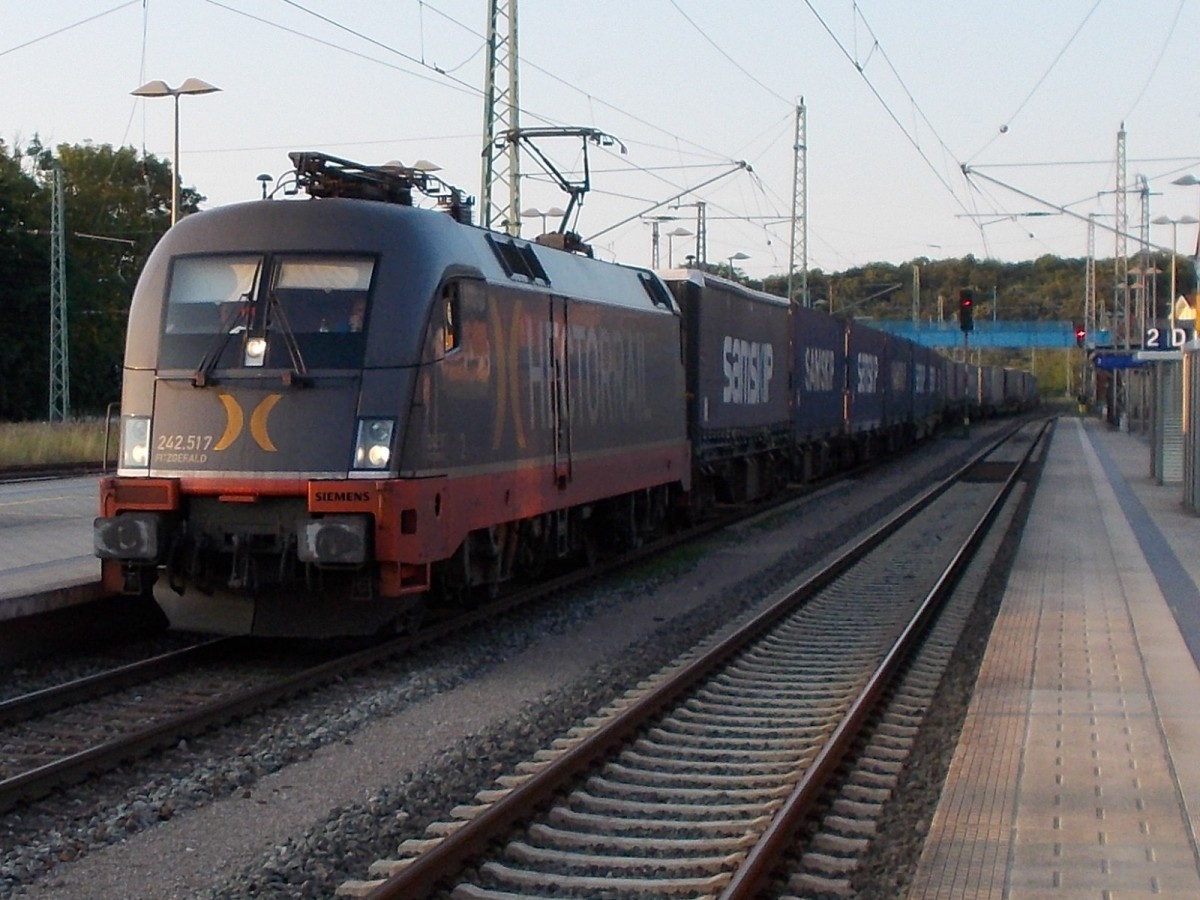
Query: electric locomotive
(334, 408)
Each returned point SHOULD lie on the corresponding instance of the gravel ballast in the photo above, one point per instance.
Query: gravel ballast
(293, 801)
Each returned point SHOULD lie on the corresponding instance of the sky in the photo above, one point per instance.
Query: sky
(1029, 95)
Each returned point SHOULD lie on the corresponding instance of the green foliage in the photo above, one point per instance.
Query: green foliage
(1049, 287)
(24, 290)
(116, 207)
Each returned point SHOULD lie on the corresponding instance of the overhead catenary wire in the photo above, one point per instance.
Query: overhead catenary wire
(1003, 129)
(66, 28)
(1057, 207)
(890, 112)
(1162, 50)
(435, 74)
(454, 83)
(737, 65)
(443, 43)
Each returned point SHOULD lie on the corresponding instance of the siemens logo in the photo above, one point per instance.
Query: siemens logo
(342, 496)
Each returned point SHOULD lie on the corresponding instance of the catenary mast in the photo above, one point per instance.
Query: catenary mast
(500, 186)
(800, 209)
(60, 378)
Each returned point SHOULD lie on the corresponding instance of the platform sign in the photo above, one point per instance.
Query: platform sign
(1162, 336)
(1118, 360)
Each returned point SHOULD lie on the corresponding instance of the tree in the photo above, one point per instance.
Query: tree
(116, 207)
(24, 292)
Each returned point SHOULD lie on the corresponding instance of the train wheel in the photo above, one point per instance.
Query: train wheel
(587, 541)
(452, 578)
(533, 548)
(413, 619)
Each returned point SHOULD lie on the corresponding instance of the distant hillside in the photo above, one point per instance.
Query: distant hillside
(1049, 287)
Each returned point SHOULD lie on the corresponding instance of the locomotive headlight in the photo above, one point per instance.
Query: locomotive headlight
(255, 352)
(135, 442)
(373, 446)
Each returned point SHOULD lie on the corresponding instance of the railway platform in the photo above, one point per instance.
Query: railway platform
(47, 561)
(1077, 773)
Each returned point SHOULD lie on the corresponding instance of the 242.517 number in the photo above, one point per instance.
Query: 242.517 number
(184, 442)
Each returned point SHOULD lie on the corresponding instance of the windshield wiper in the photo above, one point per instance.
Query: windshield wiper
(278, 320)
(220, 341)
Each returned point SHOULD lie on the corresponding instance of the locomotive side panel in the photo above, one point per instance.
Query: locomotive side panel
(557, 401)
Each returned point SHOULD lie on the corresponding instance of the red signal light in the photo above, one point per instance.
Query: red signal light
(966, 318)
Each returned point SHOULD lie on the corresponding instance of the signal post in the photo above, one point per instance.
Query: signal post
(966, 321)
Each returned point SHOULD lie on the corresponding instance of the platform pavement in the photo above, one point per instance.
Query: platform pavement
(1077, 773)
(46, 559)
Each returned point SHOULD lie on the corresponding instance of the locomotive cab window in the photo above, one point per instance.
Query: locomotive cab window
(451, 334)
(267, 311)
(324, 295)
(210, 294)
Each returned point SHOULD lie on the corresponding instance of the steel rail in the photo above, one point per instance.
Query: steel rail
(111, 754)
(424, 873)
(73, 768)
(47, 700)
(778, 838)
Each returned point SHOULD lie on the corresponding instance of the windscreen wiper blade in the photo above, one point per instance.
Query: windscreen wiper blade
(220, 341)
(278, 321)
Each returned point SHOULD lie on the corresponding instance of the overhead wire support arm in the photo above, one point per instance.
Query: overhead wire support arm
(738, 166)
(573, 188)
(969, 172)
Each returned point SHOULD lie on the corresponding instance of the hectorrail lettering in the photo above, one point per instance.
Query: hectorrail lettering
(605, 369)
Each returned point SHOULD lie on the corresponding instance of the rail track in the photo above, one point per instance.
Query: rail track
(697, 782)
(63, 734)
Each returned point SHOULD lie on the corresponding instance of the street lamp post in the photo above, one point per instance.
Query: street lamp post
(655, 223)
(739, 256)
(162, 89)
(674, 233)
(1174, 223)
(533, 212)
(1190, 180)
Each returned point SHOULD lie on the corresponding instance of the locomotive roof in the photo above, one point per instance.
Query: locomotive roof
(416, 251)
(427, 242)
